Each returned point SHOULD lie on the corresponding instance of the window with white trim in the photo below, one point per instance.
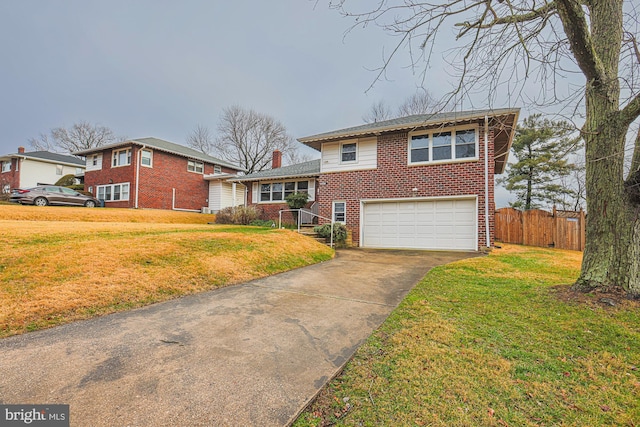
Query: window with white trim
(113, 192)
(195, 166)
(217, 169)
(348, 152)
(94, 162)
(6, 166)
(450, 145)
(121, 158)
(340, 212)
(146, 158)
(278, 191)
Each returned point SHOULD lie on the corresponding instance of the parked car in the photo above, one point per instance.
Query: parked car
(52, 195)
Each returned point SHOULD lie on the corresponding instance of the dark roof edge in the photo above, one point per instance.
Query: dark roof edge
(395, 125)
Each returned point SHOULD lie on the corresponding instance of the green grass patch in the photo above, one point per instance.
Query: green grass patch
(494, 341)
(54, 272)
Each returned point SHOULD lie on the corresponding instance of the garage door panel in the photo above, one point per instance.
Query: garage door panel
(439, 224)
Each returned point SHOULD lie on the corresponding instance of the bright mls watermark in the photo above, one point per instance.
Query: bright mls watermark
(34, 415)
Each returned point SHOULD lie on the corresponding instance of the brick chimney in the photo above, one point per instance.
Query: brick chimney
(20, 150)
(276, 161)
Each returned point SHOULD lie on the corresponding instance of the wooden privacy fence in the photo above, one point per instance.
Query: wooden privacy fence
(557, 229)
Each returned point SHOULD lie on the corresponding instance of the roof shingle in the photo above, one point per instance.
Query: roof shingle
(310, 168)
(162, 145)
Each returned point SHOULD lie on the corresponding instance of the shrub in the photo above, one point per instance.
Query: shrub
(67, 180)
(296, 201)
(239, 215)
(339, 232)
(263, 223)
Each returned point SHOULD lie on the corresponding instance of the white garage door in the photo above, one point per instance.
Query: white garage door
(434, 224)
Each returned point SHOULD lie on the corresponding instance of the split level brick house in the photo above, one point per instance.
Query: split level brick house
(416, 182)
(28, 169)
(156, 174)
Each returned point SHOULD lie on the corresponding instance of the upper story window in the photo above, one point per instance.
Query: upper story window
(278, 191)
(348, 152)
(79, 171)
(94, 160)
(217, 169)
(59, 169)
(6, 166)
(121, 157)
(428, 147)
(146, 158)
(194, 166)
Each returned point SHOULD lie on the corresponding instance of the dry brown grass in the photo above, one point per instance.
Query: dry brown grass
(52, 272)
(79, 214)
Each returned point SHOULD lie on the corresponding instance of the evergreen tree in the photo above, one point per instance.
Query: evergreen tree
(541, 148)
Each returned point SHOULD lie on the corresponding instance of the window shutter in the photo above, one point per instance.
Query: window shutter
(254, 193)
(312, 190)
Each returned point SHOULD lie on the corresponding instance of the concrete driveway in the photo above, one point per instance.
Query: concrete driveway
(252, 354)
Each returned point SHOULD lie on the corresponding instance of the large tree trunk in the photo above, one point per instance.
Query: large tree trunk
(612, 253)
(611, 256)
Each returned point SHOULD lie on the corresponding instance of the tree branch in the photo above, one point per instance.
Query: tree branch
(514, 18)
(577, 30)
(631, 111)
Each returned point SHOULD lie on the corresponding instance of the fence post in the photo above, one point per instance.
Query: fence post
(554, 215)
(279, 219)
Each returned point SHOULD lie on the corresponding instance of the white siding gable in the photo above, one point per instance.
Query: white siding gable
(94, 158)
(366, 155)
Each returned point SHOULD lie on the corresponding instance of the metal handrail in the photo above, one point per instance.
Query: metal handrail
(299, 219)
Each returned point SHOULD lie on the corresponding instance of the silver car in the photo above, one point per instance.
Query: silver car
(52, 195)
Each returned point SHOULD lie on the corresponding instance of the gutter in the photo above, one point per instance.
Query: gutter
(486, 180)
(138, 158)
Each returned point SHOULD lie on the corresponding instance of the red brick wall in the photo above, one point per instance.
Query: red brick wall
(156, 183)
(395, 179)
(12, 177)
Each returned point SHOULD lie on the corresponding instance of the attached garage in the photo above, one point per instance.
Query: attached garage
(441, 224)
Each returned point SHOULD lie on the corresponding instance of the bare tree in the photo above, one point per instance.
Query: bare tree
(248, 138)
(501, 46)
(378, 112)
(80, 136)
(201, 139)
(421, 102)
(295, 156)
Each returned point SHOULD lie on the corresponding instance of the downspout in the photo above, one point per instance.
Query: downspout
(138, 157)
(486, 180)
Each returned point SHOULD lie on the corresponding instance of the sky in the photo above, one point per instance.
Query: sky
(160, 68)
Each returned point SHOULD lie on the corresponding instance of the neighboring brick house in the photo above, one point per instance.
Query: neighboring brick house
(28, 169)
(267, 189)
(155, 174)
(416, 182)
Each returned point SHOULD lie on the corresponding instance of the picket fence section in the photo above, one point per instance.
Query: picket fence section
(557, 229)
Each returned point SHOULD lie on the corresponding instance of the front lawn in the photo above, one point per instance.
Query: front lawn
(494, 341)
(54, 270)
